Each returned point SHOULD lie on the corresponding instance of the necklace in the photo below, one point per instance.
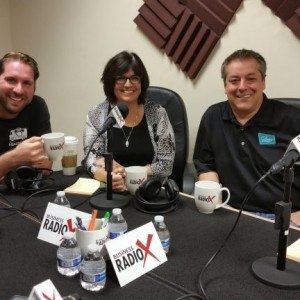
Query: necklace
(129, 135)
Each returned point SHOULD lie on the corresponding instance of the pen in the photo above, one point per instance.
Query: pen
(105, 219)
(107, 215)
(80, 225)
(93, 219)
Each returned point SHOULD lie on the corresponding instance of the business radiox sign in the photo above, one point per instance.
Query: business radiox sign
(136, 253)
(57, 220)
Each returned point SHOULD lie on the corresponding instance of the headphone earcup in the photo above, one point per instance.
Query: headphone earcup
(171, 189)
(21, 178)
(150, 188)
(27, 174)
(150, 199)
(12, 180)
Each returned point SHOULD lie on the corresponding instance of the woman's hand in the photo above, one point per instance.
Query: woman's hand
(118, 175)
(118, 181)
(295, 218)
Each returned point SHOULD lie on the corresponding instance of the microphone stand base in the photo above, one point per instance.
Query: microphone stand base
(265, 270)
(101, 202)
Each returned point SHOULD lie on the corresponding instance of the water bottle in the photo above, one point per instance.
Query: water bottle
(68, 256)
(93, 270)
(163, 232)
(116, 224)
(61, 199)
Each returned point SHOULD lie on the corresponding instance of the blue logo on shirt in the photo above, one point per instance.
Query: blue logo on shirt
(266, 139)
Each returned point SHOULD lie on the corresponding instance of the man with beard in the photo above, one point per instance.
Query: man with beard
(24, 117)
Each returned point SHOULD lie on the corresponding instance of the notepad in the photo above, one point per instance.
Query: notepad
(293, 251)
(84, 186)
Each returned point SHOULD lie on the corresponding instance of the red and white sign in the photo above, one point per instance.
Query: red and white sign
(44, 291)
(136, 253)
(57, 220)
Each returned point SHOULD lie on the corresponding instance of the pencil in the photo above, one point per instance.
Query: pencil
(93, 219)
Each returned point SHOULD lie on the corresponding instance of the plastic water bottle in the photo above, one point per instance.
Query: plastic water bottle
(61, 199)
(68, 256)
(163, 232)
(116, 224)
(93, 270)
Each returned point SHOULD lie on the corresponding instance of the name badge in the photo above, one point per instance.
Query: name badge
(266, 139)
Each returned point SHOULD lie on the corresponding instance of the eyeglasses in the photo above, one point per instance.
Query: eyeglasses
(134, 79)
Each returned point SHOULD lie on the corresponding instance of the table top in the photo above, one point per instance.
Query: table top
(27, 261)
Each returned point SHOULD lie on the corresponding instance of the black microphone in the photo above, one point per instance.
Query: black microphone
(287, 160)
(116, 117)
(290, 157)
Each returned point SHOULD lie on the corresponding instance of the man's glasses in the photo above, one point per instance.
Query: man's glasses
(134, 79)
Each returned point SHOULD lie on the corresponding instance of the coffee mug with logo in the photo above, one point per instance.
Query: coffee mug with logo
(207, 195)
(54, 145)
(135, 176)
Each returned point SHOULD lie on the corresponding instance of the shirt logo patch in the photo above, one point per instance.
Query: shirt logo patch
(16, 136)
(266, 139)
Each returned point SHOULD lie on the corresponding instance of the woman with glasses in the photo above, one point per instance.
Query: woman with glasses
(146, 139)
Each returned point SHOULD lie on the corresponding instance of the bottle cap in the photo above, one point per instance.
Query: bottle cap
(117, 211)
(159, 218)
(68, 235)
(60, 194)
(92, 248)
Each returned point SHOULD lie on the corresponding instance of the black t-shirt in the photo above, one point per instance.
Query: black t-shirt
(33, 120)
(140, 150)
(242, 154)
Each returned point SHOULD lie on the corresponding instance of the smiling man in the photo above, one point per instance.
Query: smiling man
(24, 117)
(239, 139)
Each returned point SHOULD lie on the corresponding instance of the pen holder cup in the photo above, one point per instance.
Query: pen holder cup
(97, 236)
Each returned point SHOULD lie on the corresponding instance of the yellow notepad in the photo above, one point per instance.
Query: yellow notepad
(293, 251)
(84, 186)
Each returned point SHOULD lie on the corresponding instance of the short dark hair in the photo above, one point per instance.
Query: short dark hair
(241, 55)
(117, 66)
(22, 57)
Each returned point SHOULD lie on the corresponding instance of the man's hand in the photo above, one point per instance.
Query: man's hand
(31, 151)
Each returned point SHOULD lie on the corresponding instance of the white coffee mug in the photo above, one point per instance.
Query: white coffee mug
(54, 145)
(207, 195)
(69, 160)
(135, 176)
(86, 237)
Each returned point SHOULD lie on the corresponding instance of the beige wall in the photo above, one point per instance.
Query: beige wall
(5, 31)
(73, 39)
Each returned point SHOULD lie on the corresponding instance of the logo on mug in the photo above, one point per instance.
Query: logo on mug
(206, 198)
(57, 147)
(137, 181)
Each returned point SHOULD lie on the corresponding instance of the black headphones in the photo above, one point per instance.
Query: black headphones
(26, 178)
(150, 199)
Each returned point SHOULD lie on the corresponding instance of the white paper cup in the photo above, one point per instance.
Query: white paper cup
(135, 176)
(69, 160)
(54, 145)
(207, 196)
(86, 237)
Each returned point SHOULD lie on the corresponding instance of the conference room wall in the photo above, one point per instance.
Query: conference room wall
(5, 31)
(73, 39)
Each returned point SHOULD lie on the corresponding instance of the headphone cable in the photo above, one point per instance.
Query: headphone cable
(247, 197)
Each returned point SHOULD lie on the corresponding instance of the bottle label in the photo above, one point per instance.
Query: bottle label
(113, 235)
(165, 244)
(95, 278)
(69, 263)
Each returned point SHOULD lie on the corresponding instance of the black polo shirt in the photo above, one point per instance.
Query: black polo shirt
(242, 154)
